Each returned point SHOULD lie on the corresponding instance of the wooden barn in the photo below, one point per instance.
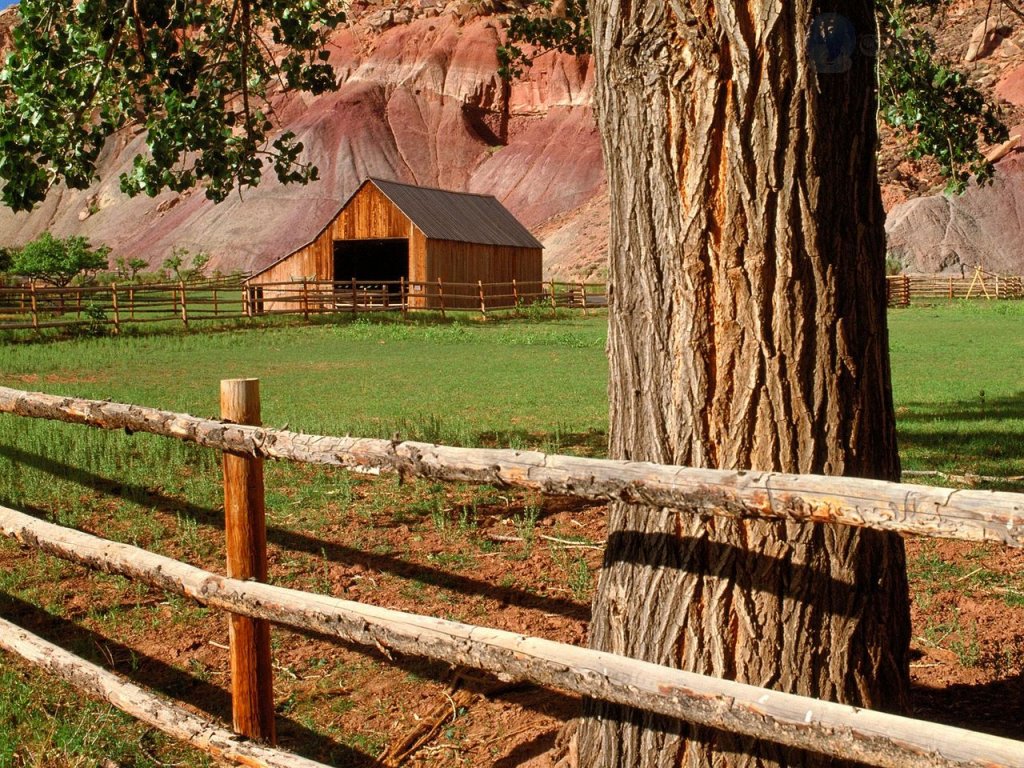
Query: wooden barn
(389, 233)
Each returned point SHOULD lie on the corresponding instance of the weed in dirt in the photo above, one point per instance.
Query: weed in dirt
(525, 523)
(581, 581)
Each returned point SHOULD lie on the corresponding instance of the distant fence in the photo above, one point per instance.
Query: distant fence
(317, 297)
(903, 290)
(37, 307)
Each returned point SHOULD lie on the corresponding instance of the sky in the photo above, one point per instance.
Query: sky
(6, 3)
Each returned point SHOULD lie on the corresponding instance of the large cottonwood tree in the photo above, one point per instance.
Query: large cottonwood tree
(747, 330)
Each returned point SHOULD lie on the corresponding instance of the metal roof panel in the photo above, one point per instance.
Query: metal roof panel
(459, 216)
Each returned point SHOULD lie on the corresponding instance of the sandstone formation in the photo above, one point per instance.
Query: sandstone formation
(952, 233)
(420, 102)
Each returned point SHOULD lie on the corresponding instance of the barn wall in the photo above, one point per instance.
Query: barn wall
(455, 262)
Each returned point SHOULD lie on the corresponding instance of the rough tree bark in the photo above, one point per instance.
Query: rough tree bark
(747, 330)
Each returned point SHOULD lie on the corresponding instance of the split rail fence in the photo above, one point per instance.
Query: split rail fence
(116, 305)
(844, 732)
(904, 290)
(318, 297)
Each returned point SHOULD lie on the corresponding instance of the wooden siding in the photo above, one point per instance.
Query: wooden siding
(455, 262)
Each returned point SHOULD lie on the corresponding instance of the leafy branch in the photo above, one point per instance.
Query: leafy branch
(194, 74)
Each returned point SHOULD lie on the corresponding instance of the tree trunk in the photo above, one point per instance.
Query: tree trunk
(747, 330)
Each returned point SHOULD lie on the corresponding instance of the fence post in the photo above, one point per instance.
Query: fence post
(583, 297)
(131, 302)
(184, 305)
(252, 685)
(215, 305)
(554, 306)
(355, 296)
(404, 289)
(78, 307)
(117, 311)
(483, 305)
(515, 296)
(305, 300)
(35, 305)
(440, 295)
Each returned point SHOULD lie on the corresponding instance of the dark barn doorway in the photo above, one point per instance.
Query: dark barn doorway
(373, 261)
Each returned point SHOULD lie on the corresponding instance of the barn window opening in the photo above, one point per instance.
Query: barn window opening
(372, 261)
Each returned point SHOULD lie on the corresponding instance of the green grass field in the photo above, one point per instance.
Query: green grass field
(958, 386)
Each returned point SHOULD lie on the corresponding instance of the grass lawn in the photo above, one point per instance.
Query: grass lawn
(958, 387)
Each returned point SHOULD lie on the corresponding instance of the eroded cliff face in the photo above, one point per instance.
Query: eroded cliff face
(419, 102)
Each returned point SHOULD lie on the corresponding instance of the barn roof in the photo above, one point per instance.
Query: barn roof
(459, 216)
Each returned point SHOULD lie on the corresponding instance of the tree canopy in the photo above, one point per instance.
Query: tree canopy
(58, 261)
(196, 76)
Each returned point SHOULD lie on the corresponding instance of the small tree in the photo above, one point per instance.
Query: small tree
(128, 269)
(178, 259)
(58, 261)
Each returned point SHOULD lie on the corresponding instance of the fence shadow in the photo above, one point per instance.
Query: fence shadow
(301, 542)
(174, 683)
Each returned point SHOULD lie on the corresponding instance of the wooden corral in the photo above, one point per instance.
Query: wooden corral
(395, 234)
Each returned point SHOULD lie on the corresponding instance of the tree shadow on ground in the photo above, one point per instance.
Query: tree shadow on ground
(995, 707)
(965, 438)
(301, 542)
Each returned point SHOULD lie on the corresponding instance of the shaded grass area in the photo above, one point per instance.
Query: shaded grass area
(959, 387)
(525, 384)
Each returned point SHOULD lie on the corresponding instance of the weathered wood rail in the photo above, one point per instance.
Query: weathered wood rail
(166, 716)
(917, 509)
(846, 732)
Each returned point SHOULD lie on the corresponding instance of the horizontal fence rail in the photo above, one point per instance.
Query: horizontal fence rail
(318, 297)
(846, 732)
(154, 711)
(924, 510)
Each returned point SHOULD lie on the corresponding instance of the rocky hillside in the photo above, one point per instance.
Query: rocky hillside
(933, 232)
(420, 102)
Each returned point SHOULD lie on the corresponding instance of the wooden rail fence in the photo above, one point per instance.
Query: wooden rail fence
(115, 305)
(904, 290)
(319, 297)
(844, 732)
